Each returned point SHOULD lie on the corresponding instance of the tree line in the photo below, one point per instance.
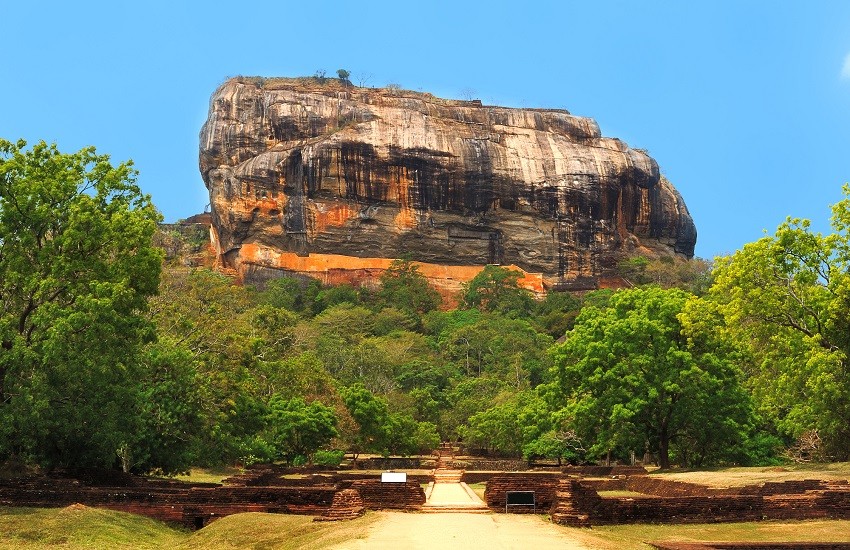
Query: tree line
(112, 357)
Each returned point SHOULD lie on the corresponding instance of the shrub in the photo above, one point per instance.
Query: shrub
(328, 458)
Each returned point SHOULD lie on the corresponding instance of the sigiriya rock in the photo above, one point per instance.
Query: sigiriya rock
(333, 181)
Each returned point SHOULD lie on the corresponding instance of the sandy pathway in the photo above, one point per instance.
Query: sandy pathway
(453, 494)
(422, 531)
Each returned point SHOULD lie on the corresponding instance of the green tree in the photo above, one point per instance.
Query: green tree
(371, 415)
(427, 438)
(169, 415)
(556, 313)
(76, 269)
(290, 293)
(634, 270)
(667, 272)
(496, 289)
(296, 428)
(495, 430)
(333, 296)
(555, 444)
(510, 425)
(630, 375)
(468, 397)
(786, 298)
(343, 75)
(498, 346)
(405, 288)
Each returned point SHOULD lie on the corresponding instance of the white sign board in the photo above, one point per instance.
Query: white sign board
(393, 477)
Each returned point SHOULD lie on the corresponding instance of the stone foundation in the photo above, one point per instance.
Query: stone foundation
(347, 504)
(195, 505)
(663, 501)
(544, 487)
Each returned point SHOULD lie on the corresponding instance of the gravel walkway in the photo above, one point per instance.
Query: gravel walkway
(446, 531)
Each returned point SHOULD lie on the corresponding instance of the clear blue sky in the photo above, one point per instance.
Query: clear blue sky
(745, 104)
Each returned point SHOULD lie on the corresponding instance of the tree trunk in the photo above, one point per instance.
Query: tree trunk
(664, 447)
(6, 345)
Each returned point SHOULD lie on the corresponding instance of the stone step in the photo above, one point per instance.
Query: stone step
(455, 509)
(448, 476)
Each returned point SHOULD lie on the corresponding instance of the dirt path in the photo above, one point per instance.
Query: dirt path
(451, 493)
(422, 531)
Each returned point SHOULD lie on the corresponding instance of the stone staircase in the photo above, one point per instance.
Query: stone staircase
(563, 511)
(447, 476)
(447, 493)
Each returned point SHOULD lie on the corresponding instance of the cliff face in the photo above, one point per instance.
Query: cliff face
(335, 181)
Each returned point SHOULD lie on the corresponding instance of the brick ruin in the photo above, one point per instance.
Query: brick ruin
(572, 499)
(194, 505)
(662, 501)
(347, 504)
(543, 485)
(570, 496)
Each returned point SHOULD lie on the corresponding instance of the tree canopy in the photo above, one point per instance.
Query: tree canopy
(108, 358)
(496, 289)
(786, 297)
(631, 376)
(76, 268)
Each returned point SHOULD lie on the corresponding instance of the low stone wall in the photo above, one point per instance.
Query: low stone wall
(377, 495)
(192, 505)
(347, 504)
(544, 486)
(708, 509)
(479, 477)
(674, 502)
(490, 464)
(668, 488)
(604, 471)
(378, 463)
(353, 476)
(271, 475)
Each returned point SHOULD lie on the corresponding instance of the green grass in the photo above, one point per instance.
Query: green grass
(478, 489)
(739, 476)
(611, 537)
(209, 475)
(278, 531)
(81, 527)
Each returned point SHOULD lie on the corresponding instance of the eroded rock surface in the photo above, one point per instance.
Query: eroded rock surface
(335, 181)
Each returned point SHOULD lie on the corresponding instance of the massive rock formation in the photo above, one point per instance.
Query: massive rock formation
(334, 181)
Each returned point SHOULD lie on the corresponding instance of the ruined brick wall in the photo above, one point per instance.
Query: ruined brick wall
(493, 464)
(676, 502)
(379, 463)
(544, 486)
(347, 504)
(604, 471)
(168, 501)
(388, 496)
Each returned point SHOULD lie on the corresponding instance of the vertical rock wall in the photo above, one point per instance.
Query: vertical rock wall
(302, 173)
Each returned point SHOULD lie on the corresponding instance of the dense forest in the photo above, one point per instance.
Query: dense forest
(112, 356)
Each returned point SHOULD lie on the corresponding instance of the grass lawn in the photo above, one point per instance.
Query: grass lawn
(209, 475)
(278, 531)
(616, 537)
(81, 527)
(478, 489)
(737, 477)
